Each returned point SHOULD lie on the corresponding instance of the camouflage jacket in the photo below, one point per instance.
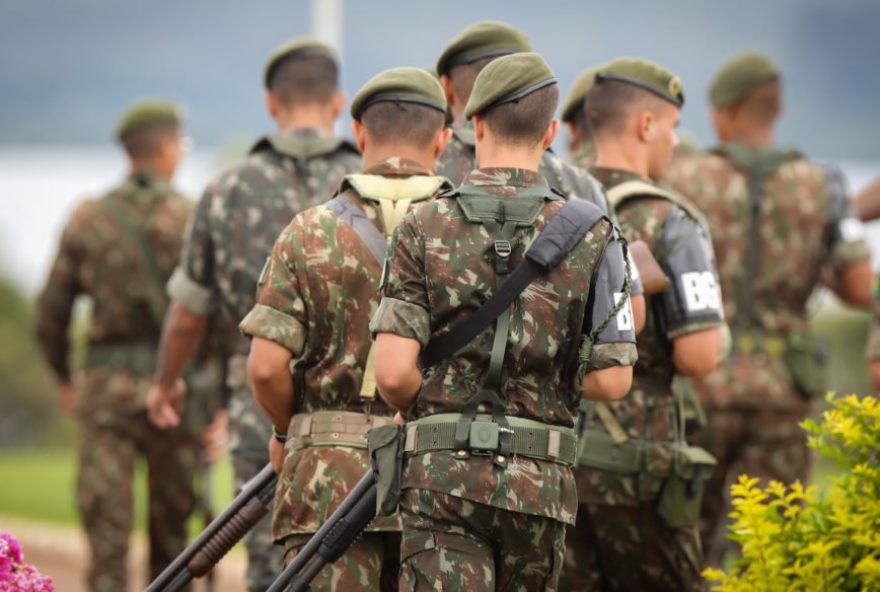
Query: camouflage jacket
(680, 241)
(102, 255)
(806, 223)
(316, 297)
(231, 235)
(441, 270)
(585, 157)
(872, 351)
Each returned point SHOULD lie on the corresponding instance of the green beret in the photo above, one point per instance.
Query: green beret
(508, 79)
(646, 75)
(578, 92)
(148, 113)
(739, 76)
(399, 85)
(482, 40)
(301, 47)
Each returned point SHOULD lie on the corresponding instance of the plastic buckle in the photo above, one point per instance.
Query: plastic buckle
(483, 438)
(503, 248)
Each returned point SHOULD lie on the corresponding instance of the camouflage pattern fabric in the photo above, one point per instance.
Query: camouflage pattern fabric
(872, 349)
(315, 298)
(804, 227)
(638, 551)
(647, 412)
(455, 545)
(107, 456)
(230, 237)
(585, 157)
(370, 563)
(429, 289)
(96, 258)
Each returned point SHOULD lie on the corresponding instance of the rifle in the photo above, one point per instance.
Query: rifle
(327, 545)
(245, 511)
(205, 506)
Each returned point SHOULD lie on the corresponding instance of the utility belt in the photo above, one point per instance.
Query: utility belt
(805, 357)
(138, 357)
(530, 439)
(333, 428)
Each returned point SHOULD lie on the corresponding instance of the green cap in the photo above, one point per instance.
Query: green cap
(739, 76)
(485, 39)
(399, 85)
(578, 93)
(301, 47)
(148, 113)
(508, 79)
(649, 76)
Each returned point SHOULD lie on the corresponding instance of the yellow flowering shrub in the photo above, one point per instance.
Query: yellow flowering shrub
(795, 539)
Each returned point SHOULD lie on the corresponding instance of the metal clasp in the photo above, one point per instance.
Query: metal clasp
(503, 248)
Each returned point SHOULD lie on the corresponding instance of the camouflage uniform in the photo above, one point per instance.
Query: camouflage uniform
(469, 525)
(872, 349)
(620, 542)
(99, 257)
(752, 403)
(315, 299)
(237, 220)
(585, 157)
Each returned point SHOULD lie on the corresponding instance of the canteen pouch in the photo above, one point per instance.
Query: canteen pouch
(806, 358)
(682, 494)
(385, 444)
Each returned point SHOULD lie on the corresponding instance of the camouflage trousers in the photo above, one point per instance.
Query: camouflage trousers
(370, 563)
(265, 559)
(107, 456)
(630, 548)
(760, 443)
(452, 544)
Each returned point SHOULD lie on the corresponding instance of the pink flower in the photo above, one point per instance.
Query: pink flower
(15, 574)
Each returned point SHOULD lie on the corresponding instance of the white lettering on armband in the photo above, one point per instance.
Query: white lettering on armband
(700, 291)
(625, 314)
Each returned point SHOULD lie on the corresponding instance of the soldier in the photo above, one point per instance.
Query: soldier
(237, 220)
(580, 143)
(765, 204)
(119, 250)
(313, 309)
(461, 61)
(486, 478)
(631, 534)
(872, 350)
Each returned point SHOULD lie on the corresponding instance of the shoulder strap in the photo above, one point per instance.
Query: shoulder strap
(355, 217)
(628, 190)
(561, 235)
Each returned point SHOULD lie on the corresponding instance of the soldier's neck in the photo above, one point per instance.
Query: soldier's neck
(151, 168)
(756, 137)
(373, 155)
(307, 116)
(624, 158)
(497, 155)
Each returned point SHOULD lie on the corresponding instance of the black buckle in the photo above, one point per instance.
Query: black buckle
(503, 248)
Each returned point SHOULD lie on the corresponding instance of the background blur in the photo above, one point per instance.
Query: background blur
(68, 69)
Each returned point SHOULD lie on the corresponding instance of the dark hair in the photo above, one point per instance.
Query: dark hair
(525, 120)
(301, 79)
(464, 75)
(610, 102)
(146, 140)
(581, 123)
(402, 122)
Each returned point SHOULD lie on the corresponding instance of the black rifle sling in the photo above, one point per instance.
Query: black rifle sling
(355, 217)
(559, 238)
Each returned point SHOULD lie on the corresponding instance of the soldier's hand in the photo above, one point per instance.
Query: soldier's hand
(276, 454)
(66, 398)
(215, 436)
(164, 404)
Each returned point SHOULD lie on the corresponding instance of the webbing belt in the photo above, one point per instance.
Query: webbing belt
(333, 428)
(530, 439)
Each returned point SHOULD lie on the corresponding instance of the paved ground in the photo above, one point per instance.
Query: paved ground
(61, 553)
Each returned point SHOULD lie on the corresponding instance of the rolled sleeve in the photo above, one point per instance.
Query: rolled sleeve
(193, 296)
(267, 323)
(606, 355)
(402, 318)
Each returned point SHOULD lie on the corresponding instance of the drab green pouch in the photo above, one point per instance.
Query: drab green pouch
(806, 358)
(385, 444)
(682, 493)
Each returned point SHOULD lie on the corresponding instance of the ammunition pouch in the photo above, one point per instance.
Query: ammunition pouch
(138, 357)
(385, 444)
(332, 428)
(682, 494)
(806, 358)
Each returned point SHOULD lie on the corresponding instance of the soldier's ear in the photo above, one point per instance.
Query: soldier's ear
(645, 125)
(550, 134)
(442, 140)
(360, 135)
(479, 127)
(338, 104)
(446, 83)
(271, 104)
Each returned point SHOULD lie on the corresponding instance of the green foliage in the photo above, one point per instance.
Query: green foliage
(797, 539)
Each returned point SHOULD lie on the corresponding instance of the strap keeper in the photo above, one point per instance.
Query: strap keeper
(279, 436)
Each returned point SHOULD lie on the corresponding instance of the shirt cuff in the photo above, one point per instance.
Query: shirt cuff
(402, 318)
(607, 355)
(848, 253)
(691, 328)
(193, 296)
(873, 348)
(271, 324)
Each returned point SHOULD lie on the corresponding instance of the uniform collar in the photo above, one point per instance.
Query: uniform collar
(611, 177)
(505, 177)
(397, 166)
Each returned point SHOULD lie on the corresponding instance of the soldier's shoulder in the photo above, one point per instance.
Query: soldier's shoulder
(85, 212)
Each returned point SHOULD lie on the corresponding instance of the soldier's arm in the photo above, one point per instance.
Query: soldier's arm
(692, 310)
(867, 203)
(847, 250)
(397, 373)
(271, 381)
(609, 350)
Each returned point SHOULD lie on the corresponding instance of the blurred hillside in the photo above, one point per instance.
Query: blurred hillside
(68, 68)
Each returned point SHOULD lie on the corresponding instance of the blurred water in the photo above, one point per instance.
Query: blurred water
(40, 185)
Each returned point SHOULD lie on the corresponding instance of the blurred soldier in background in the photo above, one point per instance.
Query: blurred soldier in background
(581, 149)
(777, 222)
(867, 203)
(636, 530)
(313, 308)
(120, 250)
(235, 225)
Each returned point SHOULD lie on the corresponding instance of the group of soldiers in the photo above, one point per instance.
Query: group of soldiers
(582, 436)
